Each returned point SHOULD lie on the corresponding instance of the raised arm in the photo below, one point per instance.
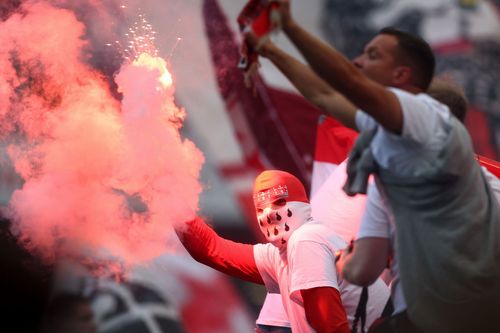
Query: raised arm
(343, 76)
(310, 85)
(208, 248)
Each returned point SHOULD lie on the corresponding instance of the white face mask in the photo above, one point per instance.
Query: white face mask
(277, 223)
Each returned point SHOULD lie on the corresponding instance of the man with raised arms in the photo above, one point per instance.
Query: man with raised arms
(427, 178)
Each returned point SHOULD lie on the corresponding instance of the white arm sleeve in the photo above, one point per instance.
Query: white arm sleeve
(375, 221)
(423, 117)
(311, 265)
(265, 259)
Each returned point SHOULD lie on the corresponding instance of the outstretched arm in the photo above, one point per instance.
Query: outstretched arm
(206, 247)
(343, 76)
(324, 310)
(310, 85)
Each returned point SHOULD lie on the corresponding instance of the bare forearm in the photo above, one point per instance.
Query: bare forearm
(353, 272)
(366, 262)
(312, 87)
(343, 76)
(328, 63)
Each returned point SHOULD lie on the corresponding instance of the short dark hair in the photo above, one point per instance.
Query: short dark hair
(450, 95)
(415, 53)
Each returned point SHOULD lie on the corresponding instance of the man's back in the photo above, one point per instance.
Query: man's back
(446, 220)
(447, 229)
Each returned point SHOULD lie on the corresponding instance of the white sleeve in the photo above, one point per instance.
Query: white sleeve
(423, 117)
(375, 221)
(273, 312)
(364, 121)
(265, 259)
(311, 265)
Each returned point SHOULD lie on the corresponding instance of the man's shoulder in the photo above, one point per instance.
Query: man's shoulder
(419, 110)
(315, 231)
(310, 228)
(421, 100)
(266, 250)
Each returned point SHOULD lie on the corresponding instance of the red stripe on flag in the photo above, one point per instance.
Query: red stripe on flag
(333, 141)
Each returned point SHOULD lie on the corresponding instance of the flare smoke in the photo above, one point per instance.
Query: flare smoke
(95, 171)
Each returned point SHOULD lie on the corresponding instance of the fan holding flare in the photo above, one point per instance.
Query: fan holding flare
(298, 261)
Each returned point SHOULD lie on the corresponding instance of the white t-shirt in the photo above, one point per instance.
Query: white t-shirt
(422, 138)
(309, 262)
(409, 154)
(272, 312)
(332, 206)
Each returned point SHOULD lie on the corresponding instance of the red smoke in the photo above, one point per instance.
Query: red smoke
(98, 174)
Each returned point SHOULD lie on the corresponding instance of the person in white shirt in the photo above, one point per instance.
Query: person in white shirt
(339, 212)
(377, 221)
(298, 261)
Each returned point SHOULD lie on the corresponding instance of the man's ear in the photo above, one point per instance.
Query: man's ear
(401, 76)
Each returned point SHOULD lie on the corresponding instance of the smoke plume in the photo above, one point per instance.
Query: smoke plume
(97, 172)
